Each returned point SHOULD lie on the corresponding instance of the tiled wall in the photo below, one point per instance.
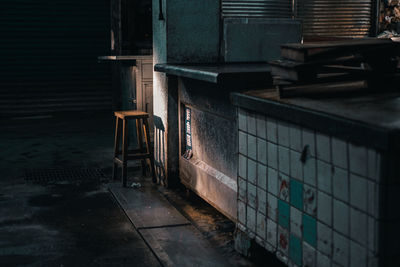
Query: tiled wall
(310, 198)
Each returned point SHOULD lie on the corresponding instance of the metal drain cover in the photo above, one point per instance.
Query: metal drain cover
(57, 175)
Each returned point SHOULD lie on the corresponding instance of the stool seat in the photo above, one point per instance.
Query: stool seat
(142, 153)
(131, 114)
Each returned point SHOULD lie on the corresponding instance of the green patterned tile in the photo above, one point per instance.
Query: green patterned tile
(283, 214)
(295, 249)
(296, 194)
(310, 230)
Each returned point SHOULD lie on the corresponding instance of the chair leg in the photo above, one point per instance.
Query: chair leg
(116, 148)
(140, 143)
(124, 151)
(149, 150)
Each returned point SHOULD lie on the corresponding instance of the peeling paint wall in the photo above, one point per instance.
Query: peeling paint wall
(183, 36)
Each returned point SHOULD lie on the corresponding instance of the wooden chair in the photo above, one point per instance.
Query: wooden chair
(142, 153)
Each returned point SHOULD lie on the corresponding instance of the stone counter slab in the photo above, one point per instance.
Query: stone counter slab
(218, 73)
(369, 119)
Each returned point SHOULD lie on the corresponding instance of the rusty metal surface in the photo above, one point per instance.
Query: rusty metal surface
(338, 18)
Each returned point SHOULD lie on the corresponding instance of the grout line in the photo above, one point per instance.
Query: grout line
(163, 226)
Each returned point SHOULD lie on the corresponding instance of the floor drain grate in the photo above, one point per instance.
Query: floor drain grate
(58, 175)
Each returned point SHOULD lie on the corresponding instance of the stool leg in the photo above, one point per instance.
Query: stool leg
(140, 143)
(149, 150)
(124, 152)
(116, 148)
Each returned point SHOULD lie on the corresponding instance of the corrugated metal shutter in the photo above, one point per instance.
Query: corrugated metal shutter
(49, 55)
(257, 8)
(325, 18)
(335, 18)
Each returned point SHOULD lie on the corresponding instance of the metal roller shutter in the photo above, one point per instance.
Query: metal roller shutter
(256, 8)
(324, 18)
(335, 18)
(49, 55)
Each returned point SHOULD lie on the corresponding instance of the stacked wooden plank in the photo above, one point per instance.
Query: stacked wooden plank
(335, 62)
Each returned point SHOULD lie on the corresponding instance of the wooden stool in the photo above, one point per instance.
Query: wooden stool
(140, 153)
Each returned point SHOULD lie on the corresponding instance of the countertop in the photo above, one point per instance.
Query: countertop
(217, 73)
(369, 119)
(126, 59)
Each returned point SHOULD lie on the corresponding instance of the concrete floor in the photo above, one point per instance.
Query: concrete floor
(79, 222)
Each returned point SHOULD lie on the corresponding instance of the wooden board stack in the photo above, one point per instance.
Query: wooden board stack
(311, 65)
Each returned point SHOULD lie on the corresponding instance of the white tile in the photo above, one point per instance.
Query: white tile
(296, 166)
(341, 184)
(341, 249)
(252, 146)
(242, 143)
(251, 123)
(372, 200)
(272, 155)
(372, 234)
(324, 176)
(323, 147)
(283, 160)
(358, 226)
(272, 182)
(310, 171)
(358, 255)
(308, 138)
(261, 126)
(272, 207)
(309, 256)
(261, 225)
(310, 200)
(374, 162)
(296, 221)
(242, 166)
(261, 150)
(272, 233)
(242, 120)
(324, 239)
(295, 138)
(323, 260)
(358, 192)
(242, 212)
(262, 176)
(283, 186)
(341, 217)
(283, 134)
(242, 189)
(339, 153)
(262, 201)
(251, 219)
(358, 159)
(252, 171)
(324, 208)
(251, 195)
(283, 237)
(272, 130)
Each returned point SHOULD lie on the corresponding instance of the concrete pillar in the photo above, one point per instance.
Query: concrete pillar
(188, 33)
